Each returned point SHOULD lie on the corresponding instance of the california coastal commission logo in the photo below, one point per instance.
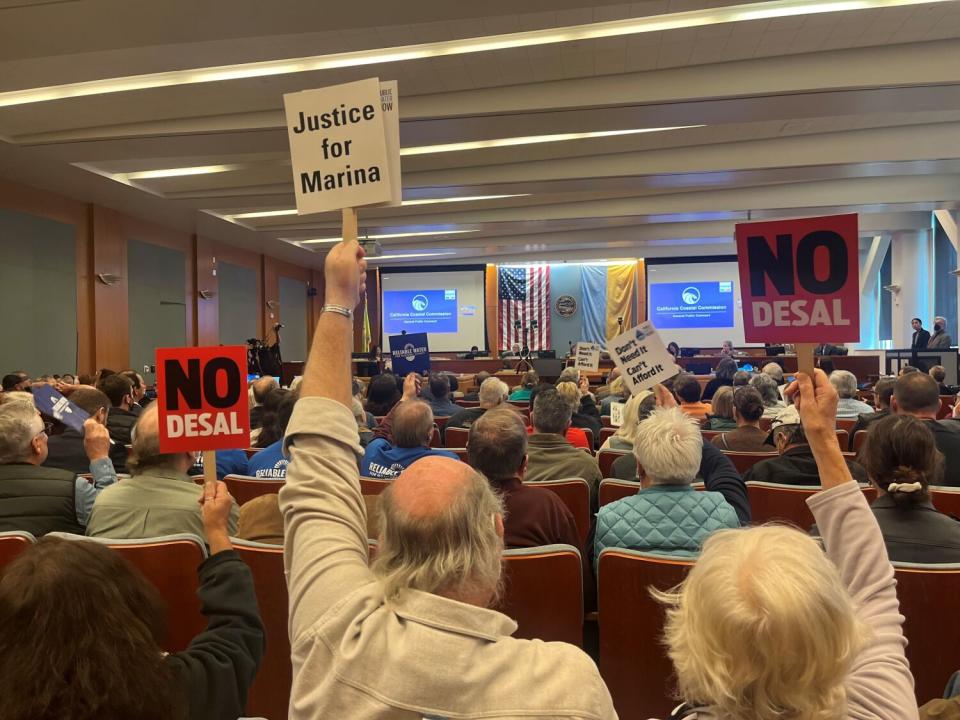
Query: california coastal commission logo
(690, 295)
(420, 302)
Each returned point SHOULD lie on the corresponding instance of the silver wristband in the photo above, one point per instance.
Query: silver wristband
(339, 310)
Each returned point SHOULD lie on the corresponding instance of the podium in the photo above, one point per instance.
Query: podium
(923, 360)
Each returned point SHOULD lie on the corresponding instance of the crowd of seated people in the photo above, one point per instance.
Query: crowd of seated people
(402, 634)
(748, 408)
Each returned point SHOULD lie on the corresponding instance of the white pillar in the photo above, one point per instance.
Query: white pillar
(911, 270)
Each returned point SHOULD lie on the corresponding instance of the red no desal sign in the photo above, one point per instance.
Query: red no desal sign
(799, 280)
(202, 398)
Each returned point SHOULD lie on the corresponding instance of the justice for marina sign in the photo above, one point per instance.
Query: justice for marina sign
(344, 145)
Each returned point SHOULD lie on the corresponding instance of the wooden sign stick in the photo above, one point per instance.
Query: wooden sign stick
(349, 224)
(209, 466)
(805, 357)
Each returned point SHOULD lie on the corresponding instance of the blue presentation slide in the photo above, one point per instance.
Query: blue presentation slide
(429, 311)
(692, 305)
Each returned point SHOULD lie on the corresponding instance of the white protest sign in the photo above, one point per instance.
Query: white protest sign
(391, 128)
(642, 358)
(616, 414)
(588, 356)
(343, 149)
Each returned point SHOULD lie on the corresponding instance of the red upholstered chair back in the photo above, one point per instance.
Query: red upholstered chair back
(606, 458)
(245, 488)
(928, 601)
(12, 543)
(846, 424)
(575, 494)
(456, 437)
(633, 662)
(770, 502)
(946, 406)
(373, 486)
(946, 500)
(435, 441)
(743, 461)
(170, 563)
(269, 695)
(589, 434)
(709, 435)
(460, 452)
(612, 490)
(543, 592)
(606, 432)
(782, 503)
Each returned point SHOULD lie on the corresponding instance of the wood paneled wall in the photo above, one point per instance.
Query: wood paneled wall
(101, 236)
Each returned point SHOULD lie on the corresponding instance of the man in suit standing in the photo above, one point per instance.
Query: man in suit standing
(828, 349)
(920, 336)
(940, 340)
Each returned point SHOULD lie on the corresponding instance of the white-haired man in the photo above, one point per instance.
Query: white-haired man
(410, 636)
(493, 393)
(845, 383)
(667, 515)
(38, 499)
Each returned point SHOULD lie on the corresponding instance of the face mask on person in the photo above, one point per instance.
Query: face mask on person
(937, 327)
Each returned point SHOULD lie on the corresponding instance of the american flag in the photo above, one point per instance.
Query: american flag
(524, 295)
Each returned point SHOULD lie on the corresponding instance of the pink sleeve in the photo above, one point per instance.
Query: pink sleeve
(880, 686)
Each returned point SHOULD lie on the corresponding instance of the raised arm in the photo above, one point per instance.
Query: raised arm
(720, 475)
(219, 665)
(323, 511)
(880, 684)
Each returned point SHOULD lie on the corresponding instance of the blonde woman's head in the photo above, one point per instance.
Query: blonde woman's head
(763, 628)
(570, 392)
(722, 404)
(631, 416)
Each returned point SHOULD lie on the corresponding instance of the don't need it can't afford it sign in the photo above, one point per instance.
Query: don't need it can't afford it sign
(799, 280)
(202, 398)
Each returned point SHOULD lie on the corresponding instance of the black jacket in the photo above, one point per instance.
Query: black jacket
(712, 386)
(796, 466)
(119, 423)
(219, 665)
(919, 534)
(588, 416)
(716, 471)
(946, 434)
(38, 500)
(920, 339)
(65, 451)
(464, 419)
(864, 420)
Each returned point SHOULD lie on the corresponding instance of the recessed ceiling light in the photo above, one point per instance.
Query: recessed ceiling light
(381, 258)
(384, 236)
(177, 172)
(469, 198)
(419, 201)
(261, 214)
(531, 140)
(589, 31)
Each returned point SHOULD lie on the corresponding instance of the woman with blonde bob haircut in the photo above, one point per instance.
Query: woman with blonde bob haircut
(765, 626)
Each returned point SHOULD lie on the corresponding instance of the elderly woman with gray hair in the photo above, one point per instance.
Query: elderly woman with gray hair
(800, 633)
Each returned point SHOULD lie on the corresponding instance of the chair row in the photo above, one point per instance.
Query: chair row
(639, 674)
(543, 593)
